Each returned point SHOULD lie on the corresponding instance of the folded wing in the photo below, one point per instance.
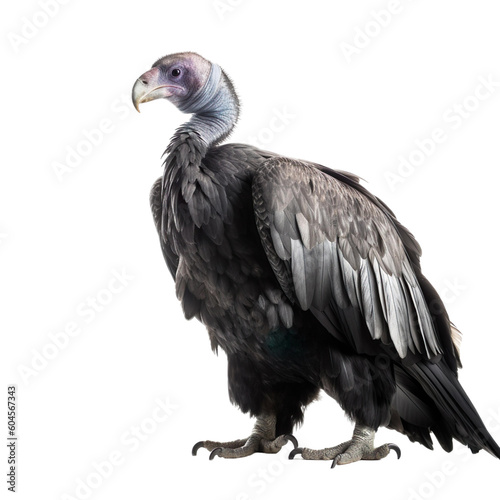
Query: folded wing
(338, 254)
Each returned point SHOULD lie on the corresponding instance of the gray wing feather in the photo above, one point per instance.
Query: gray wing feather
(340, 255)
(155, 201)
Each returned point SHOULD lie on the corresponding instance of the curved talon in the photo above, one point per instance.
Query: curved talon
(196, 447)
(335, 461)
(294, 452)
(216, 452)
(293, 439)
(396, 448)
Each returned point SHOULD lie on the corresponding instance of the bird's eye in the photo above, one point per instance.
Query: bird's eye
(175, 72)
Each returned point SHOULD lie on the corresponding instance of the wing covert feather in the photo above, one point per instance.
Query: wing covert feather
(340, 255)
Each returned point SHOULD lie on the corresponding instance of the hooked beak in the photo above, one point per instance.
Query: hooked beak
(148, 87)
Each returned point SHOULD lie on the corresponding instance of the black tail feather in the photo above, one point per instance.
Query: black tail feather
(459, 418)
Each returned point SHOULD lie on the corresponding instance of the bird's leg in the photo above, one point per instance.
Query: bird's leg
(360, 447)
(263, 439)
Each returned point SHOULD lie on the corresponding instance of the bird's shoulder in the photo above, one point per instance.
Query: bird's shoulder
(236, 158)
(334, 202)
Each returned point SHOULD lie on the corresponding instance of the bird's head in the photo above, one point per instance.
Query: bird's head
(196, 86)
(186, 79)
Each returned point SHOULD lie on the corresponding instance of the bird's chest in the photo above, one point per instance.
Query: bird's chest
(223, 277)
(222, 271)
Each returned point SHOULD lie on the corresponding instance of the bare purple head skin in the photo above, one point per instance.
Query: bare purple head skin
(196, 86)
(176, 77)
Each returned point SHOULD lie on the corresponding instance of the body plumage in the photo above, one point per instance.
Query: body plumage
(306, 280)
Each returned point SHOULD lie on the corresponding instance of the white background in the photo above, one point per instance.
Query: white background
(62, 237)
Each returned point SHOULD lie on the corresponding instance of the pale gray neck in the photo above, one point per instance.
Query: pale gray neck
(215, 108)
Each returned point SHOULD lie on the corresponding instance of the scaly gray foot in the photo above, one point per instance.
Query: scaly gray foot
(261, 440)
(360, 447)
(245, 447)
